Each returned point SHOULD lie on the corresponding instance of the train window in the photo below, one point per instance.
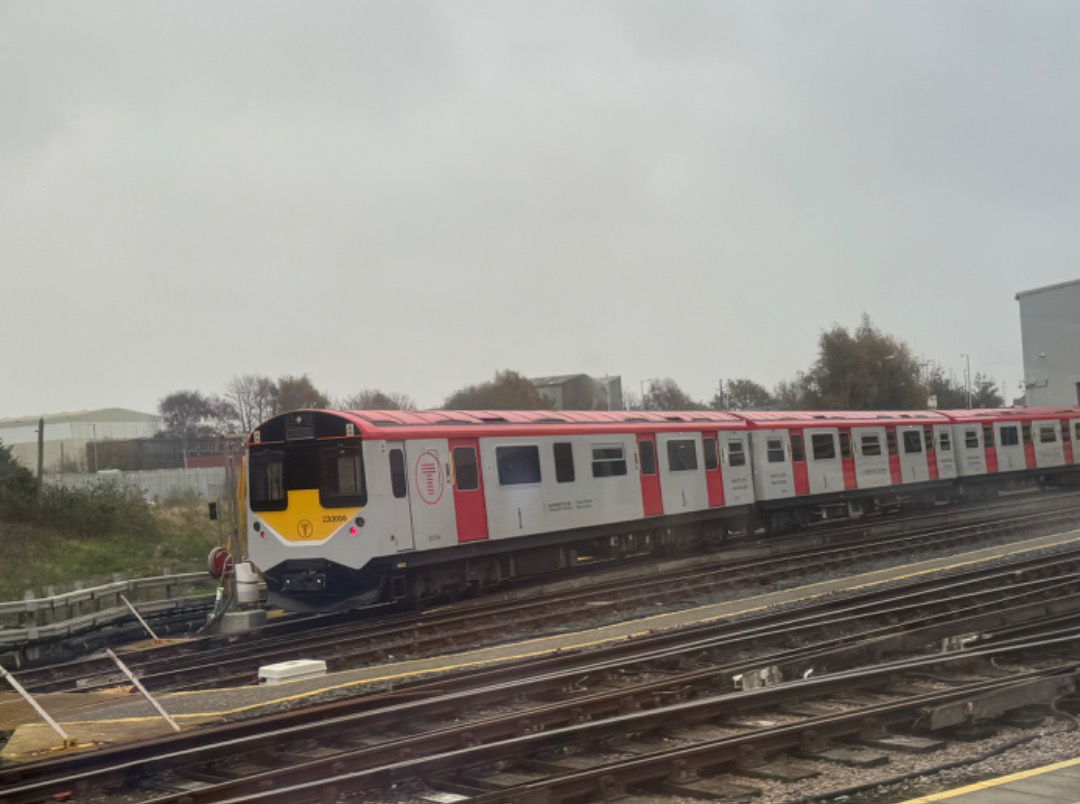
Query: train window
(712, 453)
(944, 441)
(774, 450)
(564, 462)
(845, 445)
(890, 437)
(824, 446)
(928, 438)
(1027, 433)
(971, 439)
(518, 466)
(609, 460)
(647, 451)
(798, 453)
(1009, 437)
(1076, 430)
(397, 473)
(736, 454)
(341, 484)
(466, 473)
(988, 436)
(912, 441)
(1065, 432)
(870, 445)
(1047, 434)
(266, 481)
(682, 455)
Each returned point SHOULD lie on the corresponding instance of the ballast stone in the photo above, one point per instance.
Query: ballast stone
(291, 671)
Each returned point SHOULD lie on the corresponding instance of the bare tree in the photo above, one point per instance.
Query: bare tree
(253, 399)
(374, 399)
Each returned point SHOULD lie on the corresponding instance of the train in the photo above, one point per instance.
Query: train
(346, 509)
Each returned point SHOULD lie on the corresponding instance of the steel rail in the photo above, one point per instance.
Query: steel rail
(458, 748)
(449, 702)
(446, 628)
(61, 677)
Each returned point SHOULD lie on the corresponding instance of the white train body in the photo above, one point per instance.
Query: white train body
(348, 508)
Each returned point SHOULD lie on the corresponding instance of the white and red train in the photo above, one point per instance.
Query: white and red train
(350, 508)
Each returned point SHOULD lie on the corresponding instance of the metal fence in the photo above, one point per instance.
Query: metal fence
(88, 607)
(158, 485)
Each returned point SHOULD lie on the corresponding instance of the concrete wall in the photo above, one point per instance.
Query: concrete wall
(1050, 334)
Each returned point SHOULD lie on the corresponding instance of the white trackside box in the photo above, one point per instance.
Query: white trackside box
(291, 671)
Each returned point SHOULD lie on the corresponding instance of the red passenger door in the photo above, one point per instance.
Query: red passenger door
(798, 464)
(714, 483)
(469, 509)
(651, 502)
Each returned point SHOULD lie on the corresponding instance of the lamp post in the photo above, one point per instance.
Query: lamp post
(651, 382)
(967, 378)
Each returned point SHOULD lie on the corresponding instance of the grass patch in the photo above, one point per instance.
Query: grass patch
(127, 538)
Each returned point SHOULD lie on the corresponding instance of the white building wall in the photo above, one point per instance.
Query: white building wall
(1050, 334)
(67, 434)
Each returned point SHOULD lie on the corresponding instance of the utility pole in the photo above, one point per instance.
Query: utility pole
(40, 454)
(967, 378)
(723, 404)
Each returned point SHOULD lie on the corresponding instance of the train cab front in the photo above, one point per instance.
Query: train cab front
(307, 493)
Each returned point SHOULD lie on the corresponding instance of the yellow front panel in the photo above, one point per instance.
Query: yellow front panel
(305, 520)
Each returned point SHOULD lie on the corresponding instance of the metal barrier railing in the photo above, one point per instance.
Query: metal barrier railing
(35, 619)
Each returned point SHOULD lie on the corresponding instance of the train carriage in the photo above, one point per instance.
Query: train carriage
(350, 508)
(844, 461)
(994, 442)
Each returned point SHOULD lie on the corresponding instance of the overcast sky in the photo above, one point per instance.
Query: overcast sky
(410, 196)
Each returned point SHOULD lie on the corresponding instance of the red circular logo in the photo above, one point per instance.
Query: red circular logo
(429, 479)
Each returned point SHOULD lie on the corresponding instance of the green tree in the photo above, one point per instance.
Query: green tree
(508, 391)
(17, 483)
(950, 394)
(294, 393)
(864, 370)
(665, 394)
(742, 395)
(188, 414)
(374, 399)
(788, 394)
(985, 393)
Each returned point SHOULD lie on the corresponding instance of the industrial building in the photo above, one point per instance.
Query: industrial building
(581, 392)
(1050, 334)
(71, 437)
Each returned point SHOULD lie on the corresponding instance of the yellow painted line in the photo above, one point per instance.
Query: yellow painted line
(975, 788)
(1040, 544)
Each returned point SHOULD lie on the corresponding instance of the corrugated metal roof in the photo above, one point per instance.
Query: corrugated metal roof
(439, 417)
(845, 417)
(1013, 413)
(118, 414)
(558, 379)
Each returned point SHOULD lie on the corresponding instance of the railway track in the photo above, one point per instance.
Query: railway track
(45, 676)
(552, 722)
(490, 619)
